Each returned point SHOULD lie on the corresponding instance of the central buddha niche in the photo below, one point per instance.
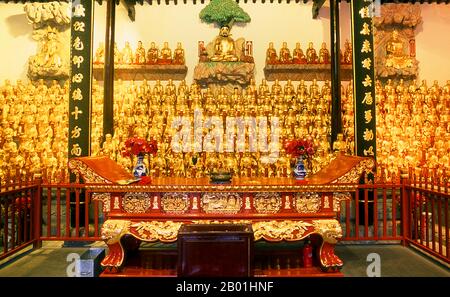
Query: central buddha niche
(224, 47)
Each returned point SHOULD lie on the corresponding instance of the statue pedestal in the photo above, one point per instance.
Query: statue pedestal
(229, 75)
(144, 71)
(306, 72)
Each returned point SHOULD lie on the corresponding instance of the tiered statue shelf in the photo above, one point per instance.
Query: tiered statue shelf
(305, 66)
(140, 64)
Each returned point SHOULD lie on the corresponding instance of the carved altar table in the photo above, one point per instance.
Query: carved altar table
(279, 209)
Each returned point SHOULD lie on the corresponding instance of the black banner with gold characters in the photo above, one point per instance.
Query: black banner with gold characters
(80, 78)
(364, 77)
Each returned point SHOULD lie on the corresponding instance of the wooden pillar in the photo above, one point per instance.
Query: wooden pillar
(80, 78)
(108, 88)
(336, 115)
(363, 78)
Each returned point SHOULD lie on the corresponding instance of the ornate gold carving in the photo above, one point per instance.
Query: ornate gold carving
(329, 229)
(213, 188)
(355, 173)
(287, 202)
(280, 230)
(86, 173)
(221, 203)
(267, 202)
(113, 230)
(175, 202)
(338, 197)
(105, 198)
(136, 202)
(152, 231)
(221, 222)
(307, 202)
(116, 203)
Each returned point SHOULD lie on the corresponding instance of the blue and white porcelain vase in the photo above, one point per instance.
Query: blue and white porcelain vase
(140, 169)
(299, 169)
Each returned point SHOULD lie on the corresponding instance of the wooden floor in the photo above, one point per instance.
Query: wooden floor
(273, 264)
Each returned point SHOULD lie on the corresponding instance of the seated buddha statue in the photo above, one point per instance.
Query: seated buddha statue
(298, 57)
(100, 54)
(285, 54)
(348, 53)
(224, 47)
(140, 54)
(178, 55)
(395, 53)
(152, 54)
(311, 54)
(165, 55)
(324, 54)
(271, 55)
(127, 54)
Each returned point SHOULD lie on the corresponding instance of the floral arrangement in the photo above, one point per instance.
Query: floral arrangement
(139, 147)
(299, 148)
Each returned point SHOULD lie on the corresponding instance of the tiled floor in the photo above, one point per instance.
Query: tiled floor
(54, 260)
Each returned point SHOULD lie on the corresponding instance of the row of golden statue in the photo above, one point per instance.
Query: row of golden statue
(33, 128)
(139, 56)
(149, 111)
(413, 124)
(310, 56)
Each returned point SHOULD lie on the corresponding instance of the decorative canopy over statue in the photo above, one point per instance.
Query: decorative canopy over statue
(224, 13)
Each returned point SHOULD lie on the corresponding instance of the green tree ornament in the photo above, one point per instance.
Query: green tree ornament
(224, 13)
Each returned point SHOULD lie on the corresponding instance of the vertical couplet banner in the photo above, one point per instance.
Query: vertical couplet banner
(80, 78)
(364, 77)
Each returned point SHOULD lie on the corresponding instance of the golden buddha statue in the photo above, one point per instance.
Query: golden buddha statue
(324, 54)
(178, 55)
(165, 55)
(100, 54)
(395, 55)
(271, 55)
(298, 56)
(311, 54)
(348, 53)
(340, 145)
(285, 54)
(140, 54)
(127, 54)
(224, 47)
(152, 54)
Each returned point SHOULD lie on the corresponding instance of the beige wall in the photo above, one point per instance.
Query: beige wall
(270, 22)
(16, 44)
(433, 43)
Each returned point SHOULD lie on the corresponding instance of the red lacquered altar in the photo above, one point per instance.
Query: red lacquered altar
(279, 209)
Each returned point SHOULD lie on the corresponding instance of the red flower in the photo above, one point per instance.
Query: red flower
(299, 148)
(139, 146)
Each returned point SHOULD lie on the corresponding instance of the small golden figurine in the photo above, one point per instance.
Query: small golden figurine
(298, 57)
(100, 54)
(311, 54)
(324, 54)
(271, 55)
(285, 54)
(178, 55)
(140, 54)
(152, 54)
(127, 54)
(165, 55)
(348, 53)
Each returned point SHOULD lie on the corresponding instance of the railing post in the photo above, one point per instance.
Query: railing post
(405, 207)
(37, 212)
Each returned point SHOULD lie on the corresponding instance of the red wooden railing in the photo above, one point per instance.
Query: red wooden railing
(19, 214)
(413, 209)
